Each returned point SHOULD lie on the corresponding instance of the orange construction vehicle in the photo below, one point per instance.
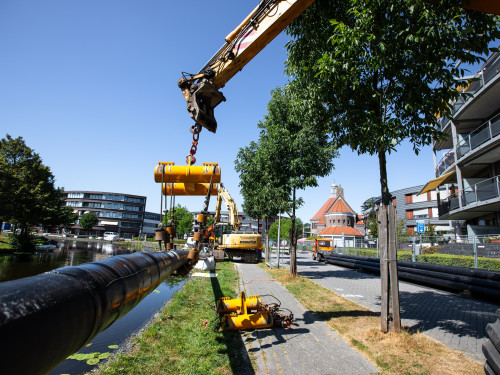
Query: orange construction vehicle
(322, 247)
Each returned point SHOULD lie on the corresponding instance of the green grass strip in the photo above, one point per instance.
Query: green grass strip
(185, 338)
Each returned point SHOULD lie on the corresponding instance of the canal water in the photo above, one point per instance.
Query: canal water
(73, 253)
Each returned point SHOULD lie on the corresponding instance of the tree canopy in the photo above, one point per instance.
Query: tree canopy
(375, 72)
(28, 196)
(289, 155)
(88, 220)
(183, 220)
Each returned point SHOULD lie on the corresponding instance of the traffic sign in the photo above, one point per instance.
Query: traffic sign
(420, 226)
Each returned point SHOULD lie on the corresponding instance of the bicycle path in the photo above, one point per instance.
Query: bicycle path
(310, 348)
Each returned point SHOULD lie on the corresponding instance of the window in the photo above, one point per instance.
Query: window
(75, 195)
(95, 196)
(74, 204)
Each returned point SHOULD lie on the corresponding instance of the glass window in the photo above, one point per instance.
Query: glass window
(75, 195)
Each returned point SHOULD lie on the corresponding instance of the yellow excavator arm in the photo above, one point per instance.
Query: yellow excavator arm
(257, 30)
(223, 195)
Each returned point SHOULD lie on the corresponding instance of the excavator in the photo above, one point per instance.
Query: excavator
(226, 239)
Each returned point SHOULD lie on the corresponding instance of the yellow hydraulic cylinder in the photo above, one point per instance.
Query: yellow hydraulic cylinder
(189, 189)
(169, 172)
(228, 305)
(235, 322)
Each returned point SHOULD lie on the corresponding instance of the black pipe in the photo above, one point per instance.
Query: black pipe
(484, 287)
(46, 318)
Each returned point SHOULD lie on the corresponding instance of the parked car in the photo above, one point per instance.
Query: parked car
(110, 236)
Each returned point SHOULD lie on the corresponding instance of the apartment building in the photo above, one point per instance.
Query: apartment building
(117, 212)
(470, 159)
(411, 206)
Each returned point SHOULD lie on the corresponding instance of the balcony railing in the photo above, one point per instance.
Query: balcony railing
(446, 162)
(489, 71)
(483, 133)
(480, 192)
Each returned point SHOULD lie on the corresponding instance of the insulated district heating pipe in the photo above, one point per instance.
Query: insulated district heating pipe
(46, 318)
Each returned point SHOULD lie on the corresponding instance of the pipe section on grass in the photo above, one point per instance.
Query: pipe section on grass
(46, 318)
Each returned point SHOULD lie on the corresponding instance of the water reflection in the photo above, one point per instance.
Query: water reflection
(73, 253)
(67, 253)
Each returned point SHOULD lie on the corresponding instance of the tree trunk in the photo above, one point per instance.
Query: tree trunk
(390, 311)
(293, 241)
(268, 252)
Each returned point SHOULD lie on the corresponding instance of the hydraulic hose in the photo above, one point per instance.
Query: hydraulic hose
(46, 318)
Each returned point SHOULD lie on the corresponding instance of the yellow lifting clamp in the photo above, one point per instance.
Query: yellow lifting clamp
(168, 172)
(238, 314)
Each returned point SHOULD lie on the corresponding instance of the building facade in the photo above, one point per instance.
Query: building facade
(150, 223)
(117, 212)
(471, 155)
(337, 220)
(412, 207)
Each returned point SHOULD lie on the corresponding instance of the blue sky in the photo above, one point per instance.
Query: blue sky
(92, 87)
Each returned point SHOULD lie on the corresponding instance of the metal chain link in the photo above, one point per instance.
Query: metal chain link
(195, 129)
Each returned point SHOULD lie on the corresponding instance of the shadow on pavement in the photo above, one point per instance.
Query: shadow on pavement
(235, 348)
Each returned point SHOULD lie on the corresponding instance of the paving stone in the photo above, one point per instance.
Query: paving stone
(310, 348)
(458, 322)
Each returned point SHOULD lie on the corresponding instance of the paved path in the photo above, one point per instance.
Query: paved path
(311, 348)
(455, 321)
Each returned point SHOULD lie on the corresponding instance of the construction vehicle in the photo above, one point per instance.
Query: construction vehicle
(322, 247)
(226, 239)
(258, 29)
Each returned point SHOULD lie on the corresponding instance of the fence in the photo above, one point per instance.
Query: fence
(461, 251)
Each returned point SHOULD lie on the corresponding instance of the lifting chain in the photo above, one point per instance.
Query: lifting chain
(195, 129)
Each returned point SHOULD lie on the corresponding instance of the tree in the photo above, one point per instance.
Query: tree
(373, 73)
(183, 220)
(88, 220)
(285, 228)
(262, 202)
(291, 155)
(28, 196)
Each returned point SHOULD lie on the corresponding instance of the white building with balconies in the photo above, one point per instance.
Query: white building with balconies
(471, 155)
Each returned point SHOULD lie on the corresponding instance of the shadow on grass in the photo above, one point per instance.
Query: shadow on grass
(238, 357)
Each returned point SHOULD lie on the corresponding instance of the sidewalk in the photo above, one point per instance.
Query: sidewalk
(310, 348)
(458, 322)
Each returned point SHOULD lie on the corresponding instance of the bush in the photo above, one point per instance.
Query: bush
(20, 242)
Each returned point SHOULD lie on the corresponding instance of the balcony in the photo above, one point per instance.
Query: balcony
(483, 191)
(482, 134)
(488, 72)
(446, 162)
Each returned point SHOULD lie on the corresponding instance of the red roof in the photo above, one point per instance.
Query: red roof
(323, 209)
(341, 205)
(337, 231)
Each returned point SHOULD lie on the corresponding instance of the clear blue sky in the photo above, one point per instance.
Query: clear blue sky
(92, 87)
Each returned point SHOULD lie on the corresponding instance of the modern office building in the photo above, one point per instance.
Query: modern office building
(151, 222)
(117, 212)
(471, 156)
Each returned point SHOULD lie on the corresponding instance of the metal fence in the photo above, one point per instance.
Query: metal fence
(461, 251)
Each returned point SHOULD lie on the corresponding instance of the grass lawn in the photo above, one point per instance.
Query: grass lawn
(185, 338)
(404, 353)
(4, 242)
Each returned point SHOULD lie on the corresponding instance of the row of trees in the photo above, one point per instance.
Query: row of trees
(28, 195)
(366, 74)
(287, 157)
